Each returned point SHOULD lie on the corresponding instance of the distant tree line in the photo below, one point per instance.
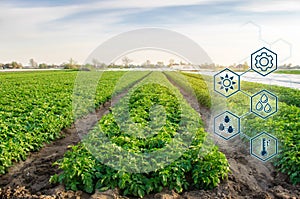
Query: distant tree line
(12, 65)
(127, 63)
(71, 64)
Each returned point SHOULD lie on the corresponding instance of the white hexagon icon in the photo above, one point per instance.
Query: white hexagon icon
(227, 82)
(264, 61)
(227, 125)
(264, 146)
(264, 104)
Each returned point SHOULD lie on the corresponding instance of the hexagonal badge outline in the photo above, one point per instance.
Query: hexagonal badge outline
(276, 147)
(276, 61)
(238, 84)
(239, 128)
(251, 107)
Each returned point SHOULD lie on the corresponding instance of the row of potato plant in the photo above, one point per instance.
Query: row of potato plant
(284, 124)
(36, 106)
(151, 139)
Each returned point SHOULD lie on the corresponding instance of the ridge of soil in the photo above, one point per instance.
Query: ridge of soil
(249, 178)
(30, 178)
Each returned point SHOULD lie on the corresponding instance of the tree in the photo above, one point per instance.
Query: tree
(160, 64)
(245, 66)
(33, 63)
(148, 63)
(52, 66)
(72, 64)
(111, 65)
(16, 65)
(126, 61)
(43, 66)
(171, 62)
(7, 66)
(98, 64)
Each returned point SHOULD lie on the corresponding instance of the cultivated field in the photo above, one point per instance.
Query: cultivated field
(142, 134)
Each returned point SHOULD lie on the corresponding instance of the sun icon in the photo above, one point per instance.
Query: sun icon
(227, 83)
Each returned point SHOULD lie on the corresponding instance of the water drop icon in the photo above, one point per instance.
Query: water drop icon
(259, 106)
(264, 98)
(226, 119)
(221, 127)
(230, 129)
(268, 108)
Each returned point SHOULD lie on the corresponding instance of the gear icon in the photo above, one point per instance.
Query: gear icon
(264, 61)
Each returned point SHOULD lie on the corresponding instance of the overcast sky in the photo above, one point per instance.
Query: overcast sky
(53, 31)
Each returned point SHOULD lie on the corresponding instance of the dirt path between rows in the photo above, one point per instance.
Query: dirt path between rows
(249, 178)
(30, 178)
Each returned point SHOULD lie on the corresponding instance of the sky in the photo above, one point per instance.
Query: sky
(53, 31)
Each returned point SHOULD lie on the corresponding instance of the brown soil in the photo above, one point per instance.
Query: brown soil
(249, 178)
(32, 175)
(30, 178)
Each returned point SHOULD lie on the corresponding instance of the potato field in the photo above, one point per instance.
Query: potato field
(140, 135)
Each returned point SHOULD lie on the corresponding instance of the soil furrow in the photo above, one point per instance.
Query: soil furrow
(249, 178)
(31, 177)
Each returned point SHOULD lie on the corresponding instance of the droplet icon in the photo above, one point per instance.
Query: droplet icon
(264, 98)
(259, 106)
(226, 119)
(268, 108)
(221, 127)
(230, 129)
